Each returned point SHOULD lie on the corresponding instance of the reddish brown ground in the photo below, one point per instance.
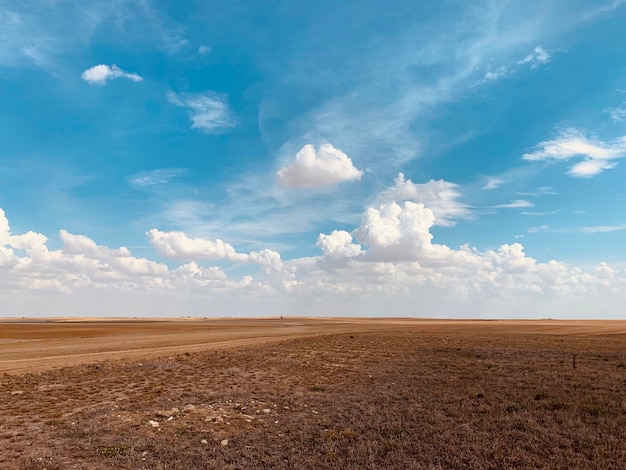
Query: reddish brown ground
(304, 393)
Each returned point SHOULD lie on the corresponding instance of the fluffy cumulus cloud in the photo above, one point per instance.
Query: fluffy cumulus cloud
(396, 253)
(594, 156)
(338, 245)
(209, 111)
(100, 74)
(177, 245)
(389, 261)
(441, 197)
(313, 168)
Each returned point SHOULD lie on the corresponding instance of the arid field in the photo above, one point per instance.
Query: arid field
(299, 393)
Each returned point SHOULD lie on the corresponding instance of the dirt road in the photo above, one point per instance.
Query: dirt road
(42, 344)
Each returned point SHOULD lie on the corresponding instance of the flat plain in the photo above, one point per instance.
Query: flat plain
(311, 393)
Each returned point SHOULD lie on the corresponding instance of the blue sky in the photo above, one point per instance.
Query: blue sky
(458, 159)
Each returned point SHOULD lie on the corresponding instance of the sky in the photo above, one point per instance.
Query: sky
(249, 158)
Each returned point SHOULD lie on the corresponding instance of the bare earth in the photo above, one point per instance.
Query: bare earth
(312, 393)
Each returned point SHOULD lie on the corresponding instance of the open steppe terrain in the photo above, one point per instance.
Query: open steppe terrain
(301, 393)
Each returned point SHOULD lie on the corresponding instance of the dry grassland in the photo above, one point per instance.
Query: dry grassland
(312, 394)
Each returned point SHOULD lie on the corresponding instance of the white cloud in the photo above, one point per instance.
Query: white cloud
(397, 255)
(338, 244)
(397, 232)
(314, 168)
(539, 191)
(99, 74)
(617, 114)
(494, 182)
(498, 73)
(177, 245)
(515, 204)
(597, 156)
(538, 57)
(442, 197)
(541, 228)
(204, 50)
(209, 111)
(604, 228)
(394, 265)
(174, 43)
(156, 177)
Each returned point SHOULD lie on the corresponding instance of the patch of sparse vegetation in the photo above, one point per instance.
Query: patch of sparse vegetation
(514, 407)
(594, 409)
(557, 405)
(113, 450)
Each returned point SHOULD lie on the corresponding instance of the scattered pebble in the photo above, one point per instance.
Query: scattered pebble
(154, 424)
(224, 443)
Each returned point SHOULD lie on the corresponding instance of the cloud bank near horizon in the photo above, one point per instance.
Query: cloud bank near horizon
(390, 254)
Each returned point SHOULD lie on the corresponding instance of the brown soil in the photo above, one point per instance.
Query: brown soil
(306, 393)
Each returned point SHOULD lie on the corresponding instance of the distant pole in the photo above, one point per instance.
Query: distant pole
(574, 361)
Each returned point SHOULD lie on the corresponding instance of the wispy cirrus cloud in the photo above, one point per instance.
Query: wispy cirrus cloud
(493, 182)
(156, 177)
(604, 228)
(515, 204)
(209, 111)
(617, 114)
(35, 33)
(538, 192)
(539, 56)
(596, 155)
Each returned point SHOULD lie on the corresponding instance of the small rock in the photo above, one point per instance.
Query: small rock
(154, 424)
(204, 441)
(266, 410)
(224, 443)
(189, 407)
(170, 418)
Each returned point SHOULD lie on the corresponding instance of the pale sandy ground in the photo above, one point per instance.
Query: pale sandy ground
(32, 345)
